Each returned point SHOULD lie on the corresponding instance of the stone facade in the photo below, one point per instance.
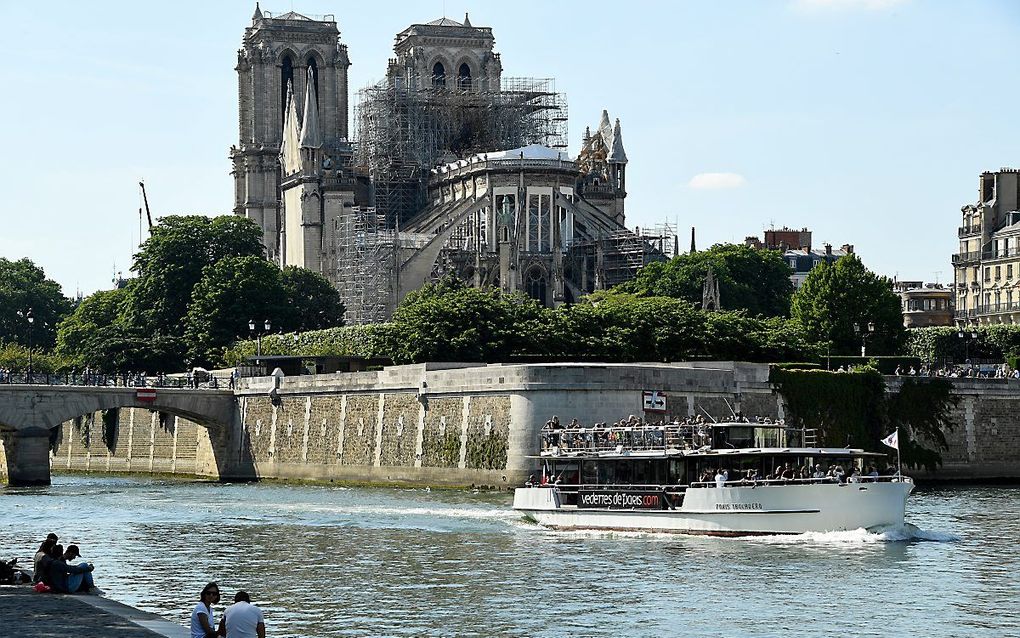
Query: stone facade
(987, 268)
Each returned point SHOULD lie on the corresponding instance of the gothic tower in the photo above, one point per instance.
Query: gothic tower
(280, 51)
(446, 54)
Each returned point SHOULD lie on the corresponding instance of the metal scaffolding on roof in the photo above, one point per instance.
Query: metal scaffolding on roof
(404, 132)
(366, 265)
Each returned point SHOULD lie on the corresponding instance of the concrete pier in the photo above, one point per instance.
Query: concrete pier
(26, 614)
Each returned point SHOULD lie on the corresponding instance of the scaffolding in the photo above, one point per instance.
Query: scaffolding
(662, 237)
(404, 132)
(366, 265)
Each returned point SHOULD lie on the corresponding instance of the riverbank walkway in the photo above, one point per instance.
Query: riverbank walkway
(26, 614)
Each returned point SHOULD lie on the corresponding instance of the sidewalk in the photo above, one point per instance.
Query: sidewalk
(26, 614)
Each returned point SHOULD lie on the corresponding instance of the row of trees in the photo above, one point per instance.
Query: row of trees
(834, 297)
(199, 282)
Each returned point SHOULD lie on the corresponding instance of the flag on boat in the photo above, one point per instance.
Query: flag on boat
(893, 440)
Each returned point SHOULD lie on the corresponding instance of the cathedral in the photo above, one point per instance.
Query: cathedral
(453, 169)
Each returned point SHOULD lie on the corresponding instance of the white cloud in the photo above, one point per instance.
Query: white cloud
(847, 5)
(716, 181)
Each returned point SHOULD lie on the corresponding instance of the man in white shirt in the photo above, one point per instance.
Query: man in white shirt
(203, 621)
(243, 619)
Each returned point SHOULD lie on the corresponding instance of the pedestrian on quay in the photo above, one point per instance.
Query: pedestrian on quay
(242, 619)
(44, 550)
(203, 619)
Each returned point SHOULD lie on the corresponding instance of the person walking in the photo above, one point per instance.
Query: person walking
(243, 619)
(203, 619)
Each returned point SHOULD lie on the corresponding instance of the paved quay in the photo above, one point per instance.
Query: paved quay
(26, 614)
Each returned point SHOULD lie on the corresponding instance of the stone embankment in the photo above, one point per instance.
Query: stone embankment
(464, 424)
(26, 614)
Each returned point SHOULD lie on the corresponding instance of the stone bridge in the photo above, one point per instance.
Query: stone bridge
(29, 412)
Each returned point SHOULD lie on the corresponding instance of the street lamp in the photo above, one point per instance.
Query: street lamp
(31, 320)
(864, 335)
(258, 335)
(967, 334)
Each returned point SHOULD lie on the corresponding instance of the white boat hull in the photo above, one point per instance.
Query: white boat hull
(735, 511)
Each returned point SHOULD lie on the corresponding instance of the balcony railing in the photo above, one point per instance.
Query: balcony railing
(988, 309)
(960, 258)
(969, 230)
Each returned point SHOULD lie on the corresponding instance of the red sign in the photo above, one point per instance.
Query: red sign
(145, 394)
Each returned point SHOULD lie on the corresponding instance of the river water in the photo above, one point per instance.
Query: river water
(332, 561)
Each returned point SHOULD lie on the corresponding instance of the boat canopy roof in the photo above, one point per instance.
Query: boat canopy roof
(701, 453)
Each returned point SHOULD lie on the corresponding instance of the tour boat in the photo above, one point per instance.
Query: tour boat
(704, 479)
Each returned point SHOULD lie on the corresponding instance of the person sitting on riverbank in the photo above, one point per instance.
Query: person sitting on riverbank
(56, 570)
(44, 550)
(242, 619)
(203, 619)
(81, 582)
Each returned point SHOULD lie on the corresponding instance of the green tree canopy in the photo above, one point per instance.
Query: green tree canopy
(448, 321)
(172, 261)
(750, 279)
(836, 296)
(97, 311)
(24, 286)
(314, 302)
(231, 292)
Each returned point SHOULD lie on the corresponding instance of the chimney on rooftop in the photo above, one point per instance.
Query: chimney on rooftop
(848, 248)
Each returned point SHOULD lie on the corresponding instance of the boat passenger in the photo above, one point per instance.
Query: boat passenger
(855, 476)
(819, 473)
(530, 482)
(720, 479)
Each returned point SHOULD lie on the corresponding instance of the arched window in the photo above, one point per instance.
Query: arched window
(314, 68)
(534, 284)
(439, 75)
(464, 77)
(286, 77)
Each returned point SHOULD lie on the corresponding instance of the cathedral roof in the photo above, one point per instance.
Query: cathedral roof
(445, 22)
(293, 15)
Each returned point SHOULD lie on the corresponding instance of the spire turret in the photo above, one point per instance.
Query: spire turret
(616, 153)
(310, 135)
(290, 154)
(467, 22)
(258, 13)
(606, 129)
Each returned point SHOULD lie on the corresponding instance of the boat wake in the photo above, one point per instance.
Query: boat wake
(885, 534)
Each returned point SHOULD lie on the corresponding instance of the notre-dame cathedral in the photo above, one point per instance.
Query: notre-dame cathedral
(453, 169)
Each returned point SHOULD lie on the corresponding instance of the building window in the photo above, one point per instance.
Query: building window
(439, 76)
(286, 77)
(988, 273)
(533, 224)
(534, 284)
(464, 77)
(1009, 271)
(998, 273)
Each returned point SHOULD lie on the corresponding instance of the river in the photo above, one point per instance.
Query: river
(333, 561)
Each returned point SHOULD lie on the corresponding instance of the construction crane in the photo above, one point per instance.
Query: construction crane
(145, 199)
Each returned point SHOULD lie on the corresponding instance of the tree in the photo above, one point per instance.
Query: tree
(315, 303)
(95, 312)
(172, 262)
(230, 293)
(448, 321)
(24, 286)
(750, 279)
(836, 296)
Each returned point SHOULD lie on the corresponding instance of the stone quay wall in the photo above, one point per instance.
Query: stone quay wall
(464, 424)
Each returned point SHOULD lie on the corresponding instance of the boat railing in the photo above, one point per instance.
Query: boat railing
(672, 436)
(845, 480)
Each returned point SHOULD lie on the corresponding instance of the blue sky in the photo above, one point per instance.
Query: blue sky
(867, 121)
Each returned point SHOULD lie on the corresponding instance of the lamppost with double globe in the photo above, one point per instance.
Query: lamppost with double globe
(31, 320)
(967, 334)
(258, 336)
(864, 335)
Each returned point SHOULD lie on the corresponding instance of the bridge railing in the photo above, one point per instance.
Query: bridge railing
(200, 382)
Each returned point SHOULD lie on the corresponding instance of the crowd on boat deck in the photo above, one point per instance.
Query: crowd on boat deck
(787, 473)
(637, 432)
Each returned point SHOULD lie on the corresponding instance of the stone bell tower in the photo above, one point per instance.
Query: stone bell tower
(277, 52)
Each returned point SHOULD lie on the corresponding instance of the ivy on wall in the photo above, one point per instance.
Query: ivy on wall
(487, 452)
(440, 450)
(855, 409)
